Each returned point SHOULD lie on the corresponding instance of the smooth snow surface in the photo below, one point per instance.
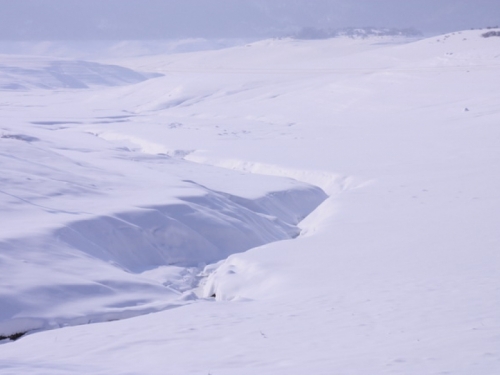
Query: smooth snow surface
(283, 207)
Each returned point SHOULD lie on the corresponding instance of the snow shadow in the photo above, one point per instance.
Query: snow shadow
(197, 231)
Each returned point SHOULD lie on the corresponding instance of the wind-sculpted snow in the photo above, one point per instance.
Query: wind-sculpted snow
(43, 73)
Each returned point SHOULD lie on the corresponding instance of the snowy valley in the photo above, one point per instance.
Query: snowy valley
(279, 207)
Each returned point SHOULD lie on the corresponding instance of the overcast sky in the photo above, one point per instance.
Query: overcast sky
(166, 19)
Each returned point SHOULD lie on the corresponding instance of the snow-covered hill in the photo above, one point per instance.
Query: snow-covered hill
(24, 73)
(360, 176)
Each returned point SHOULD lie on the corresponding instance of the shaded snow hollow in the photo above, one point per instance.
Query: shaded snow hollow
(97, 269)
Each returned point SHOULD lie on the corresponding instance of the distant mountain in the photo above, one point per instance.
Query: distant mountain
(354, 32)
(30, 20)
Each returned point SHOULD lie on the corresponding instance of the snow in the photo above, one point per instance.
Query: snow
(22, 73)
(282, 207)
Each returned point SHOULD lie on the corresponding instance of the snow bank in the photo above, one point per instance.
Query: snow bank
(201, 230)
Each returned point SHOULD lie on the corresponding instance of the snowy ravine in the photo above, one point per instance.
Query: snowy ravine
(122, 233)
(324, 207)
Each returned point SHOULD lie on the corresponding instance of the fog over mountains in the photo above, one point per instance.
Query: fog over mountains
(160, 19)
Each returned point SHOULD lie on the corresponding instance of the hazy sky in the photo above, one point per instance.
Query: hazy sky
(158, 19)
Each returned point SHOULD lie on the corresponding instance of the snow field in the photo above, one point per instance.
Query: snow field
(394, 273)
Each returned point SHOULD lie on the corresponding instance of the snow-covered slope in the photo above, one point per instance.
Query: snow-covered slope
(24, 73)
(396, 272)
(88, 217)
